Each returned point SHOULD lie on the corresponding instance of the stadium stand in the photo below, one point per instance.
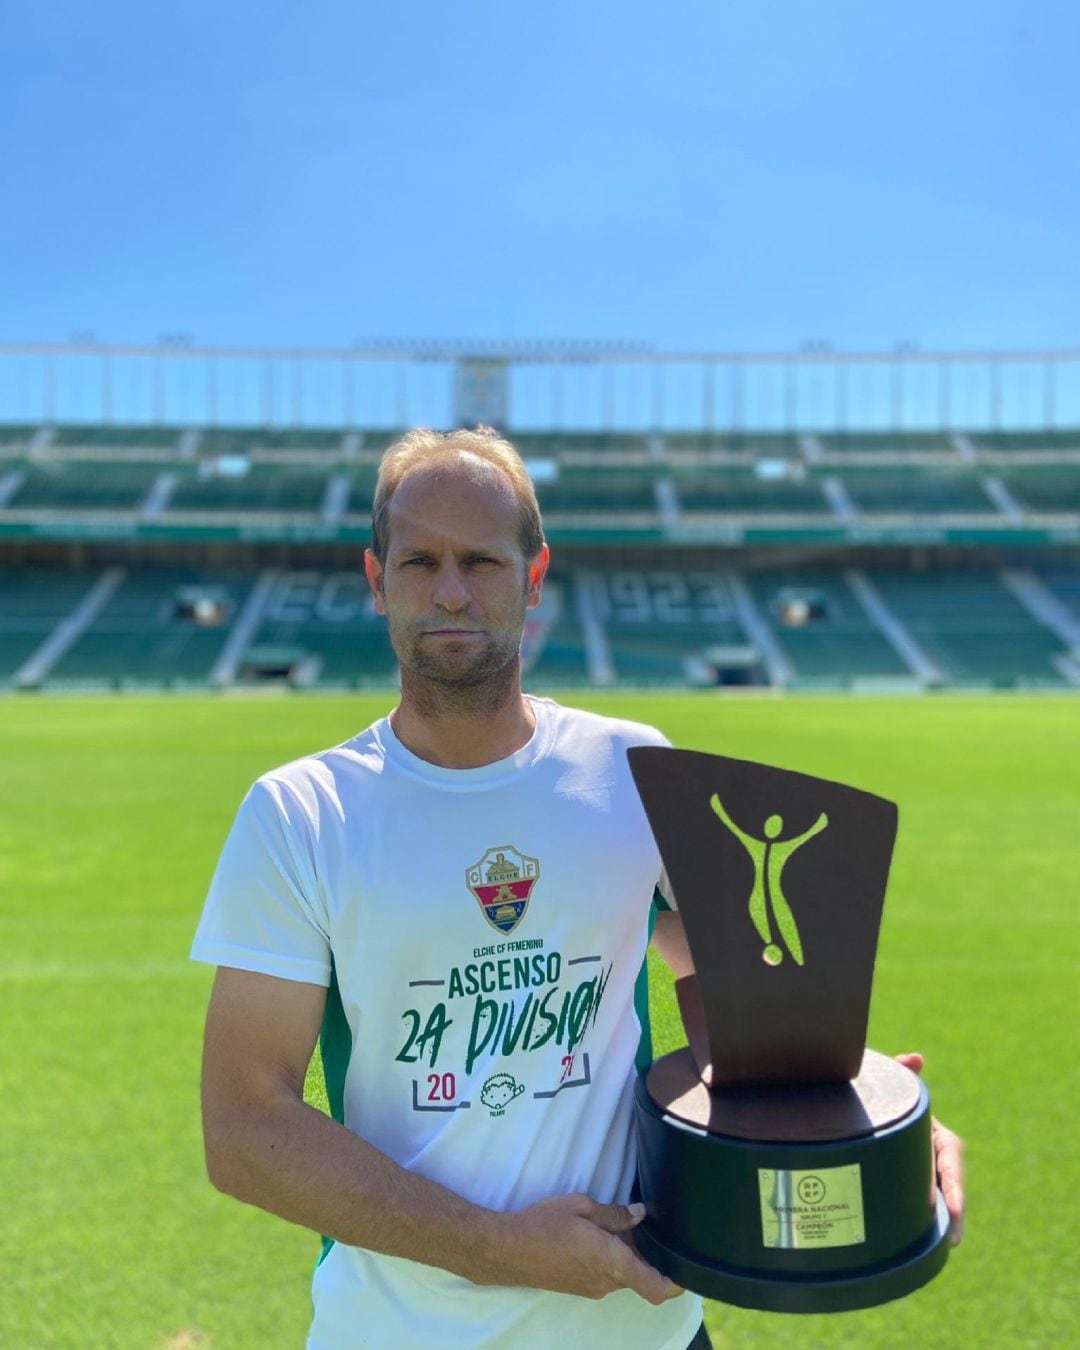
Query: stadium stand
(824, 629)
(672, 627)
(33, 603)
(219, 487)
(717, 446)
(268, 440)
(136, 556)
(160, 626)
(972, 628)
(681, 654)
(917, 491)
(1064, 584)
(1053, 488)
(909, 443)
(16, 436)
(319, 628)
(1023, 441)
(597, 490)
(734, 491)
(73, 484)
(545, 445)
(561, 661)
(553, 648)
(114, 437)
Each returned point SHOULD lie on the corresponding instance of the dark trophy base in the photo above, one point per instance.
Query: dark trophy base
(811, 1198)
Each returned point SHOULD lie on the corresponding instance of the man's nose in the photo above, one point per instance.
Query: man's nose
(451, 592)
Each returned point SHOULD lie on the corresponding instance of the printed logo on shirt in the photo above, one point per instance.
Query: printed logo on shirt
(502, 882)
(499, 1091)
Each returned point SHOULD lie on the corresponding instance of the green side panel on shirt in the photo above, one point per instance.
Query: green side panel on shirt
(644, 1055)
(335, 1038)
(335, 1049)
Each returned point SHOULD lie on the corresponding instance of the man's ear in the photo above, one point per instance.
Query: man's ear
(537, 571)
(373, 570)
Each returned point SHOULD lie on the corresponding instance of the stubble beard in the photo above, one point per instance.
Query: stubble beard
(439, 685)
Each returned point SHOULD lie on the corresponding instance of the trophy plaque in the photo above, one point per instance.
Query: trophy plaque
(783, 1165)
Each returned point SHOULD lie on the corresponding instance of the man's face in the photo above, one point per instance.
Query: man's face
(454, 585)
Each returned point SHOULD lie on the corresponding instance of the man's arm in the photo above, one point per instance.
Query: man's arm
(267, 1147)
(669, 939)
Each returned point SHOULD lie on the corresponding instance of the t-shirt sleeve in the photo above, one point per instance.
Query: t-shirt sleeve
(264, 911)
(664, 896)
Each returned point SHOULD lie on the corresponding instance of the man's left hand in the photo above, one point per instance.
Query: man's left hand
(949, 1160)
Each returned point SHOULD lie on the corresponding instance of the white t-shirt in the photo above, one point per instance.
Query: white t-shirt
(481, 932)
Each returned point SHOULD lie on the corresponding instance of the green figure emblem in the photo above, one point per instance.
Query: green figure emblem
(769, 858)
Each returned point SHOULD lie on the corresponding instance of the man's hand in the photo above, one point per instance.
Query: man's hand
(574, 1245)
(268, 1148)
(949, 1160)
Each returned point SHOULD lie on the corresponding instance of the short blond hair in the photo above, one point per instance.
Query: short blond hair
(421, 447)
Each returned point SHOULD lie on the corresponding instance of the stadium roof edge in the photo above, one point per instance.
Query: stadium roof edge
(538, 352)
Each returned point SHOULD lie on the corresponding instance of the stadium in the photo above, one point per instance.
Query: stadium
(896, 522)
(864, 566)
(775, 302)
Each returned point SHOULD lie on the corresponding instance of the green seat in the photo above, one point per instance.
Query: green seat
(1053, 487)
(975, 630)
(140, 638)
(33, 600)
(843, 645)
(917, 491)
(263, 488)
(114, 485)
(151, 437)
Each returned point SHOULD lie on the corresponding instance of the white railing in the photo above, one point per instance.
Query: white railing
(537, 386)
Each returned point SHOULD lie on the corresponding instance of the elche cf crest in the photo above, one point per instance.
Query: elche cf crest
(502, 882)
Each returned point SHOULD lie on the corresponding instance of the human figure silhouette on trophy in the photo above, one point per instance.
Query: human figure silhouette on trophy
(769, 856)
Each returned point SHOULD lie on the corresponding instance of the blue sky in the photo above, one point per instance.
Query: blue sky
(694, 175)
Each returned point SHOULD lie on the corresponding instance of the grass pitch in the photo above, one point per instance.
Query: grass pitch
(112, 812)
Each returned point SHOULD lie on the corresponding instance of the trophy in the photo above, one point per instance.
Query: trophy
(783, 1165)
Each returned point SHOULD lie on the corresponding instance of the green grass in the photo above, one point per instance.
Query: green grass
(111, 816)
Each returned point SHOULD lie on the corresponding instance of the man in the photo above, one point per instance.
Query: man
(459, 901)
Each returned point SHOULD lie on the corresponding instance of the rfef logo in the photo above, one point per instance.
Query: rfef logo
(502, 882)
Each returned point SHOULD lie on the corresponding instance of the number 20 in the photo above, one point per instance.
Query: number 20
(443, 1087)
